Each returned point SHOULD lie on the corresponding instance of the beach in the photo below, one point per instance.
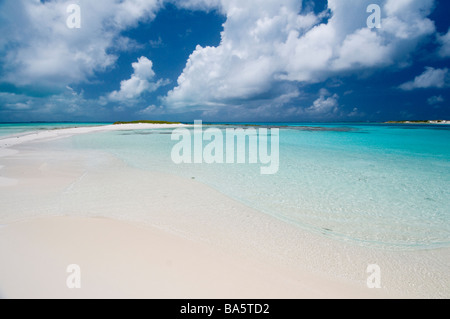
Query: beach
(204, 149)
(122, 260)
(149, 234)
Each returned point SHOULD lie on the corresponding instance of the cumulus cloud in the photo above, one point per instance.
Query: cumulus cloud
(243, 66)
(268, 51)
(141, 81)
(43, 51)
(431, 78)
(266, 44)
(324, 105)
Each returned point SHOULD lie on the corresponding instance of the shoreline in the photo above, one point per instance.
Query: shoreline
(86, 189)
(11, 141)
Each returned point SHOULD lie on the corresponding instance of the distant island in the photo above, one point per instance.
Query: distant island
(146, 122)
(419, 122)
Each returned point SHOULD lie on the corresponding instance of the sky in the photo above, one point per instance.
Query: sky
(224, 60)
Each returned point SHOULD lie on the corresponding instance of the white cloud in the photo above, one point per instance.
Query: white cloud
(206, 5)
(356, 113)
(267, 48)
(266, 44)
(444, 40)
(141, 81)
(434, 100)
(244, 66)
(151, 110)
(20, 107)
(42, 50)
(431, 78)
(156, 44)
(406, 19)
(363, 48)
(324, 105)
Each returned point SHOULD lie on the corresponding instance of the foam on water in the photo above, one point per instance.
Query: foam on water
(383, 186)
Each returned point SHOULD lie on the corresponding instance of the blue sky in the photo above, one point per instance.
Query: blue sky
(224, 60)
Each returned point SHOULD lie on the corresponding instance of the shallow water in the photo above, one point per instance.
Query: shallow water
(385, 186)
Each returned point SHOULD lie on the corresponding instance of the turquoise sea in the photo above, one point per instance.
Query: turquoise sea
(376, 185)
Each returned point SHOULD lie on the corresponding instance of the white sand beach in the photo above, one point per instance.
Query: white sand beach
(122, 260)
(142, 234)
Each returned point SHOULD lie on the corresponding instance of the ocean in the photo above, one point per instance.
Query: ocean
(377, 185)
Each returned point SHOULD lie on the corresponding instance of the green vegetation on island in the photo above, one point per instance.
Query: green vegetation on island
(146, 122)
